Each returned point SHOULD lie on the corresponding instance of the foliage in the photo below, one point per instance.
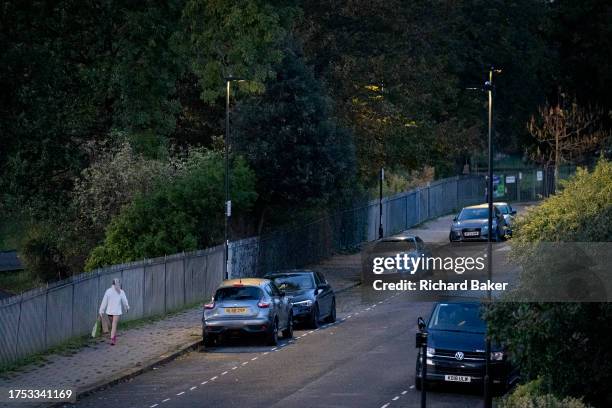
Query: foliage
(567, 132)
(530, 395)
(234, 38)
(181, 214)
(41, 254)
(301, 156)
(565, 343)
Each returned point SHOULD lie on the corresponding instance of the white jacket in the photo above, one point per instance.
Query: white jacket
(112, 301)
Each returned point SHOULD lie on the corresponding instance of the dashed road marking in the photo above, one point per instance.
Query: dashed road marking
(204, 382)
(180, 393)
(412, 386)
(245, 363)
(395, 398)
(166, 400)
(385, 406)
(193, 388)
(153, 406)
(233, 368)
(255, 358)
(404, 392)
(223, 373)
(267, 352)
(214, 378)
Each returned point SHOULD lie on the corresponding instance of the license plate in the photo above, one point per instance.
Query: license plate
(235, 310)
(457, 378)
(471, 233)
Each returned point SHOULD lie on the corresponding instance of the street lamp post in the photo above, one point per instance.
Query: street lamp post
(228, 202)
(488, 87)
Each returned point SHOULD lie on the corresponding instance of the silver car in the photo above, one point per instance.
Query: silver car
(247, 306)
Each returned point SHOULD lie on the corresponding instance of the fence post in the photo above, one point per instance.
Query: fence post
(184, 279)
(18, 328)
(46, 300)
(165, 277)
(428, 197)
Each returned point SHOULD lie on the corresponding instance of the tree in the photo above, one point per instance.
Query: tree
(567, 344)
(301, 156)
(239, 38)
(566, 132)
(181, 214)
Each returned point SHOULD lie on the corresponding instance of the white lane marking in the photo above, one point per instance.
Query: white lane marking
(153, 406)
(380, 302)
(245, 363)
(267, 352)
(204, 383)
(193, 388)
(274, 348)
(348, 317)
(385, 406)
(395, 398)
(310, 331)
(255, 358)
(233, 368)
(404, 392)
(412, 386)
(214, 378)
(166, 400)
(180, 393)
(223, 373)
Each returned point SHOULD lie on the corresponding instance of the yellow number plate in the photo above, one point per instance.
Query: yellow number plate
(235, 310)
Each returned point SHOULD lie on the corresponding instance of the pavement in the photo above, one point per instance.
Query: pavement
(365, 359)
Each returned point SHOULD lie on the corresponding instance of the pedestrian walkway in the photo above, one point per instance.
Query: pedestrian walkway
(98, 363)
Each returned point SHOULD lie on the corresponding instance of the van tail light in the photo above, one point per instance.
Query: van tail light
(210, 305)
(263, 304)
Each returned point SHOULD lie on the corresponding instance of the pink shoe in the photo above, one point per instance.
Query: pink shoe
(113, 340)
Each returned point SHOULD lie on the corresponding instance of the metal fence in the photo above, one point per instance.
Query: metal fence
(45, 317)
(39, 319)
(345, 230)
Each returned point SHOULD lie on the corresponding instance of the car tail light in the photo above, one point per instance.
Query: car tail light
(210, 305)
(263, 304)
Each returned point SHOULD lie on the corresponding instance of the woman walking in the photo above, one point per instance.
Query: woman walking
(114, 298)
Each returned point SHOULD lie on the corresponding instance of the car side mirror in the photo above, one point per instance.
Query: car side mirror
(455, 218)
(421, 323)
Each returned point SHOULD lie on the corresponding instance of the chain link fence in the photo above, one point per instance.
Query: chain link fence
(347, 230)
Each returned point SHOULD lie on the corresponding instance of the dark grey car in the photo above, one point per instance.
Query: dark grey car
(472, 224)
(247, 306)
(312, 297)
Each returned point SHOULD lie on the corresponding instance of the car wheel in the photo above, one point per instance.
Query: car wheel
(288, 332)
(273, 335)
(315, 317)
(209, 340)
(332, 313)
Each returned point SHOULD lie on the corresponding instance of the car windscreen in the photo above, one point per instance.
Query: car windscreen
(292, 283)
(238, 293)
(504, 209)
(464, 317)
(473, 214)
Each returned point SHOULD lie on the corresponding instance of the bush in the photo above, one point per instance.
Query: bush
(41, 254)
(531, 395)
(566, 344)
(181, 214)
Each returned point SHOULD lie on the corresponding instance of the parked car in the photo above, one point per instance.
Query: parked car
(247, 306)
(472, 224)
(456, 348)
(312, 297)
(507, 211)
(411, 245)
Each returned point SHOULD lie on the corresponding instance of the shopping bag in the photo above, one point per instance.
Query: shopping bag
(97, 328)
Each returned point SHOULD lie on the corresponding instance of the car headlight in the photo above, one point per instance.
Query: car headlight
(307, 302)
(431, 351)
(497, 355)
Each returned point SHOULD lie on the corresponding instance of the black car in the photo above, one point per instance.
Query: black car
(456, 348)
(312, 297)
